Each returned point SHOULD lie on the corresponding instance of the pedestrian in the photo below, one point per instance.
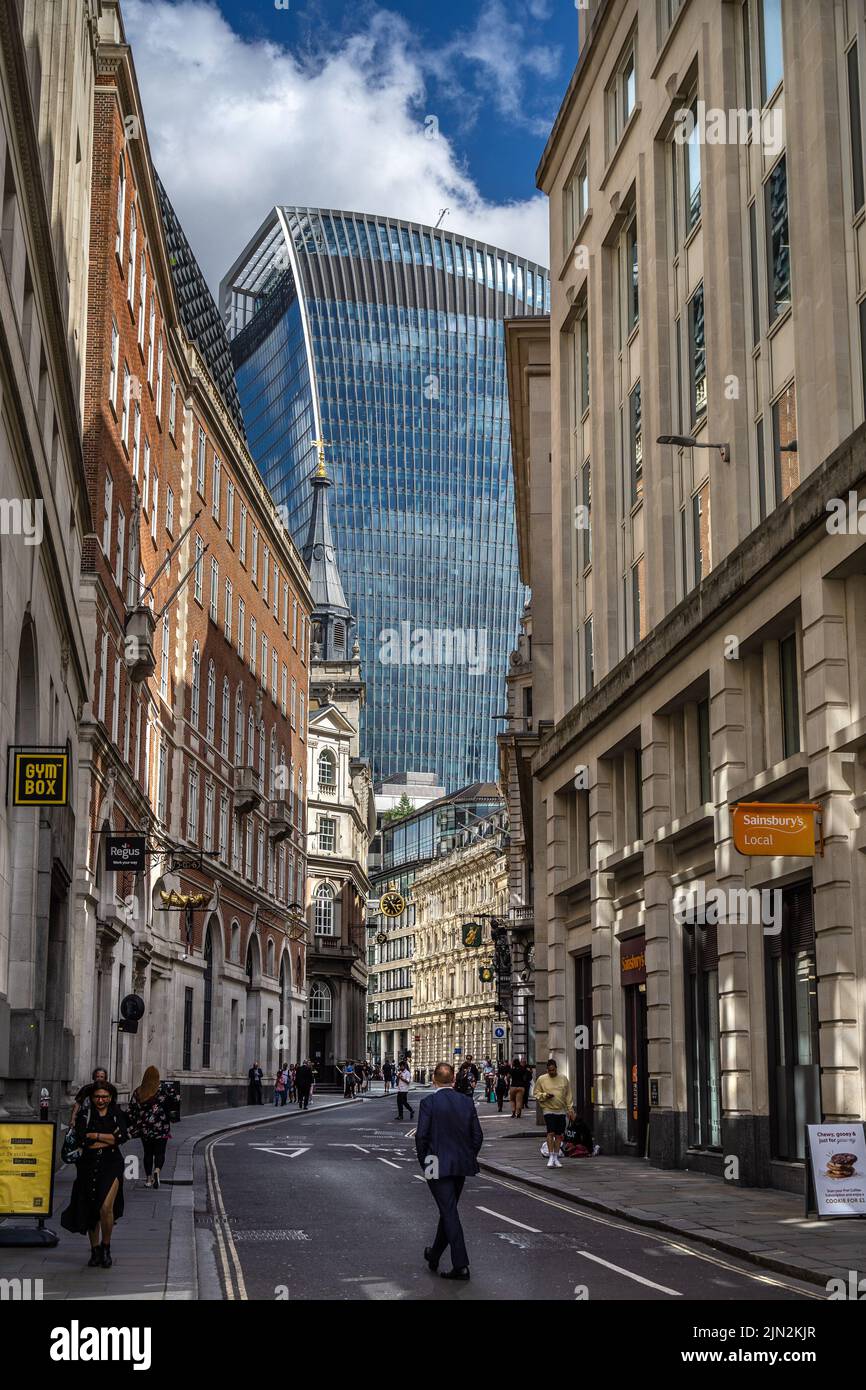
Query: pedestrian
(96, 1202)
(98, 1074)
(520, 1078)
(404, 1081)
(387, 1075)
(279, 1087)
(553, 1093)
(293, 1094)
(254, 1093)
(148, 1120)
(447, 1141)
(463, 1080)
(503, 1084)
(304, 1084)
(349, 1081)
(489, 1076)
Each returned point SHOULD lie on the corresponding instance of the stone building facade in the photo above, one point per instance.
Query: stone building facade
(706, 616)
(44, 519)
(196, 606)
(454, 1012)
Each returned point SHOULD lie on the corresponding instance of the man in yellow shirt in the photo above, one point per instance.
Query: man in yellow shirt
(553, 1093)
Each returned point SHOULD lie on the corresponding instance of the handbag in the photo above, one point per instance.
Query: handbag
(70, 1151)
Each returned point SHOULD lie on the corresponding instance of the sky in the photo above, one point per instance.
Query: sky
(397, 108)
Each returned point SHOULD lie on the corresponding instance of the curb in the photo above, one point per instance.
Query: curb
(803, 1272)
(181, 1280)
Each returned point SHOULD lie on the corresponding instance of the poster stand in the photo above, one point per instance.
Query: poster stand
(811, 1203)
(40, 1234)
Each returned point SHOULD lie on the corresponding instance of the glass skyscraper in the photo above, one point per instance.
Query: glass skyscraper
(385, 338)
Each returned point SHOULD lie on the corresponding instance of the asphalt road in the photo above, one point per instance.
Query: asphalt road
(333, 1206)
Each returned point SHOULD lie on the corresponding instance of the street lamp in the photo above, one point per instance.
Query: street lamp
(688, 441)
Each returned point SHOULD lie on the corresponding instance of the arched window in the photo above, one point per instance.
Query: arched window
(211, 701)
(195, 693)
(273, 763)
(239, 727)
(320, 1002)
(224, 724)
(235, 940)
(262, 754)
(323, 910)
(133, 242)
(327, 768)
(208, 1000)
(251, 752)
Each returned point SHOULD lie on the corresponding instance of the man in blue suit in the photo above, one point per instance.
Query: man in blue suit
(447, 1140)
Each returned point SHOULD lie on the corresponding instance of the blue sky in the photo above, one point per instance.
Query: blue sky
(397, 108)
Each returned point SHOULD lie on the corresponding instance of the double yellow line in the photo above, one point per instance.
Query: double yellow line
(233, 1275)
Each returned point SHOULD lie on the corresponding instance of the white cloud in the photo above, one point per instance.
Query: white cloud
(238, 125)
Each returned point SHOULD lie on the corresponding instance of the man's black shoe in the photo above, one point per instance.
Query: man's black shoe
(428, 1256)
(455, 1273)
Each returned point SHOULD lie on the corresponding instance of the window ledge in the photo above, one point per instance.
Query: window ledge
(770, 779)
(578, 241)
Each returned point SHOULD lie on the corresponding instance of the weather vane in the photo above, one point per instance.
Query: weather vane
(321, 445)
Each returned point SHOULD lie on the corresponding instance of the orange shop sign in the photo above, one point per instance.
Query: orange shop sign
(777, 828)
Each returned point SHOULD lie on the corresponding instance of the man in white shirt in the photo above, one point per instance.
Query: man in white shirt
(404, 1081)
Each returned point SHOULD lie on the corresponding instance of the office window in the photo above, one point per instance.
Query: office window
(121, 542)
(172, 405)
(586, 501)
(275, 670)
(224, 719)
(136, 439)
(575, 199)
(214, 589)
(276, 591)
(855, 119)
(224, 828)
(588, 654)
(770, 33)
(635, 444)
(169, 511)
(208, 817)
(192, 806)
(323, 916)
(254, 629)
(124, 418)
(121, 208)
(215, 487)
(210, 702)
(151, 338)
(162, 781)
(242, 609)
(227, 615)
(107, 518)
(295, 623)
(145, 478)
(704, 762)
(701, 531)
(133, 243)
(697, 355)
(789, 678)
(622, 95)
(164, 656)
(327, 834)
(632, 288)
(637, 592)
(199, 565)
(753, 257)
(255, 558)
(242, 549)
(692, 173)
(142, 296)
(159, 363)
(778, 245)
(264, 669)
(200, 463)
(239, 727)
(154, 505)
(230, 511)
(292, 707)
(301, 712)
(266, 569)
(284, 687)
(304, 639)
(115, 362)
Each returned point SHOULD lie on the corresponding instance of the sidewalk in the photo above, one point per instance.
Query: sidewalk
(153, 1246)
(762, 1225)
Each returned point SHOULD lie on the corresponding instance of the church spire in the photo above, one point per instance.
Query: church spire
(333, 622)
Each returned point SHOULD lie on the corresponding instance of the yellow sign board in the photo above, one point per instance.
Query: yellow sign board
(40, 779)
(26, 1168)
(775, 828)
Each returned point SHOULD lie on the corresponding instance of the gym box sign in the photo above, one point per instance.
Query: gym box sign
(40, 777)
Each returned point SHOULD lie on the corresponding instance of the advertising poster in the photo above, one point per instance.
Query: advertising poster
(838, 1155)
(26, 1168)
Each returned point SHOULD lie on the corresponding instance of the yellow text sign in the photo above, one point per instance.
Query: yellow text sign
(768, 828)
(26, 1168)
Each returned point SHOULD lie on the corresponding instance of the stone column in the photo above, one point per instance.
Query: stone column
(604, 965)
(663, 947)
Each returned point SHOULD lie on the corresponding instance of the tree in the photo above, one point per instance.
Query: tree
(404, 808)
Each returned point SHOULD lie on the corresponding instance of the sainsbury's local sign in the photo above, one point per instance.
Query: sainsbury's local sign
(782, 828)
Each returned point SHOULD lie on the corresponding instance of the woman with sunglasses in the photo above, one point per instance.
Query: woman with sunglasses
(97, 1193)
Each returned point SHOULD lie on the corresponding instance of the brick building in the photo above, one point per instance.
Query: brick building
(197, 605)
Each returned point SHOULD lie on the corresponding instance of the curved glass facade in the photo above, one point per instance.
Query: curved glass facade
(386, 339)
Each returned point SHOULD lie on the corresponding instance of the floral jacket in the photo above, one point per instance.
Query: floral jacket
(148, 1119)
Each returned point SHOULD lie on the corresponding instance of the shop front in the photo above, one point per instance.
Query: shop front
(633, 982)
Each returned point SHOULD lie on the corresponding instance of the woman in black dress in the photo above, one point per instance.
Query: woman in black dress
(97, 1193)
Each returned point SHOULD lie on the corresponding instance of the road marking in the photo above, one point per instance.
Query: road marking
(419, 1176)
(499, 1216)
(225, 1242)
(281, 1153)
(638, 1278)
(390, 1164)
(660, 1239)
(410, 1132)
(349, 1146)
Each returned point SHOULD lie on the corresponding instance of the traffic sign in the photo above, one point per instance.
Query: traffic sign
(458, 1051)
(499, 1031)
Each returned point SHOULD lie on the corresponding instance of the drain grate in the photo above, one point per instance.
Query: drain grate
(269, 1235)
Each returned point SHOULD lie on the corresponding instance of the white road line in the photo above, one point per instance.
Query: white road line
(390, 1164)
(510, 1219)
(658, 1238)
(419, 1176)
(638, 1278)
(349, 1146)
(281, 1153)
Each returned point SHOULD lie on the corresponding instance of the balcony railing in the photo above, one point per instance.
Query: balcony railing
(248, 789)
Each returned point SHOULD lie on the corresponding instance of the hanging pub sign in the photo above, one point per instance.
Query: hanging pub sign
(40, 776)
(486, 974)
(472, 933)
(836, 1169)
(125, 852)
(777, 828)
